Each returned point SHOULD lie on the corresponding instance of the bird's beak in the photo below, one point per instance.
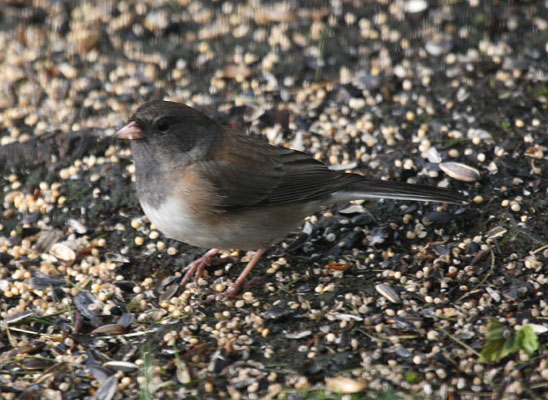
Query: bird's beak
(130, 132)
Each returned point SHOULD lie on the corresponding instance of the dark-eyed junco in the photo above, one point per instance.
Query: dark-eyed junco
(211, 186)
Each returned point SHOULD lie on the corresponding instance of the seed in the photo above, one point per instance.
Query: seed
(460, 172)
(342, 384)
(478, 199)
(387, 292)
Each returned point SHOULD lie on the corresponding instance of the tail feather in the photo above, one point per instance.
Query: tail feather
(378, 189)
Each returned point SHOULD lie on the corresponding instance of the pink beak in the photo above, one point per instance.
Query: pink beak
(130, 132)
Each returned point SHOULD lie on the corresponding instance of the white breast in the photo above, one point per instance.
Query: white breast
(221, 231)
(173, 220)
(246, 230)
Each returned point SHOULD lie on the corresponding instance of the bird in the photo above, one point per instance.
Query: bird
(212, 186)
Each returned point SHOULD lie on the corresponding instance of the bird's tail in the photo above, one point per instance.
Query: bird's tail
(379, 189)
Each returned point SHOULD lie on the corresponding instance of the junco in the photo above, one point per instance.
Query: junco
(211, 186)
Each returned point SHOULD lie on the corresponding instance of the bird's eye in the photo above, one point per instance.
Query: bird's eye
(163, 125)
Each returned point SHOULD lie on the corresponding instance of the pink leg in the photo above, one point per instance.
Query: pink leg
(237, 286)
(198, 266)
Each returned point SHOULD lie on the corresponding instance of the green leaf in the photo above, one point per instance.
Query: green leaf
(511, 345)
(495, 330)
(502, 341)
(528, 339)
(493, 351)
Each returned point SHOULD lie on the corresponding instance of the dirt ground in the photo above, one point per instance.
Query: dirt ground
(378, 300)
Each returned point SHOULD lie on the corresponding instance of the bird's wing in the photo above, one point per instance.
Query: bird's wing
(245, 172)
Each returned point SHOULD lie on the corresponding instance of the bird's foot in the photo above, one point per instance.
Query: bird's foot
(237, 288)
(198, 266)
(241, 281)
